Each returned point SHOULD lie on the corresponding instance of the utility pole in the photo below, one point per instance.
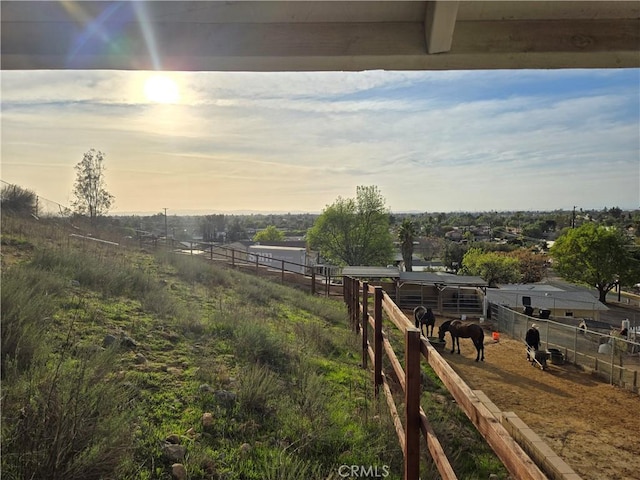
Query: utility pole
(573, 218)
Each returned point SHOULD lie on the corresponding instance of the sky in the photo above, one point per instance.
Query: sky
(240, 142)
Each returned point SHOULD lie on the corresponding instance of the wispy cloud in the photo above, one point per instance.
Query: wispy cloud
(285, 141)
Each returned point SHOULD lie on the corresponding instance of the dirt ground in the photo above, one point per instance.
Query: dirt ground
(593, 426)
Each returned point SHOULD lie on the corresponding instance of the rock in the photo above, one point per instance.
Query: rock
(204, 388)
(140, 359)
(174, 452)
(178, 471)
(109, 340)
(245, 449)
(128, 342)
(173, 439)
(225, 397)
(207, 420)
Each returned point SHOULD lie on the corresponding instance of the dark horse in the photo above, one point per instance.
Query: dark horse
(424, 316)
(458, 330)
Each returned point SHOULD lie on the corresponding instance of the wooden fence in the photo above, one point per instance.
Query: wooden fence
(287, 271)
(362, 298)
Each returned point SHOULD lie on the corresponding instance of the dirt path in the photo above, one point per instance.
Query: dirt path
(592, 425)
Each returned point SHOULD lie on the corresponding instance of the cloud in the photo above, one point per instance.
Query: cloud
(429, 140)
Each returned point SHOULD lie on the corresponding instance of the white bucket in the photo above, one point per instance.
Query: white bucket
(463, 318)
(604, 348)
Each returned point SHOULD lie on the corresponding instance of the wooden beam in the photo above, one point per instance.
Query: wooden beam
(394, 415)
(412, 392)
(377, 338)
(435, 448)
(510, 453)
(365, 322)
(185, 46)
(439, 24)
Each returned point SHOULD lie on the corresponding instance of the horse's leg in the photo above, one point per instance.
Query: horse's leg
(453, 343)
(479, 344)
(458, 342)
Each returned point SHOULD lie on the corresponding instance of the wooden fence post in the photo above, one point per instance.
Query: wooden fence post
(233, 258)
(313, 281)
(377, 339)
(412, 404)
(348, 285)
(365, 323)
(356, 306)
(353, 299)
(282, 277)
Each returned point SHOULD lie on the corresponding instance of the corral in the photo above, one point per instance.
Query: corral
(590, 424)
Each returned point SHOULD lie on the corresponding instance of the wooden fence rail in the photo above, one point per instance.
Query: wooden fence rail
(301, 274)
(357, 297)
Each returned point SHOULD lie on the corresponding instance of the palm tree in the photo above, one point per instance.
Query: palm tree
(407, 233)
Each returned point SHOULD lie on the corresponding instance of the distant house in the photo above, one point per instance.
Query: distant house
(454, 235)
(419, 264)
(547, 300)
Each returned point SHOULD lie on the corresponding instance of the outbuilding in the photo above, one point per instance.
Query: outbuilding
(444, 292)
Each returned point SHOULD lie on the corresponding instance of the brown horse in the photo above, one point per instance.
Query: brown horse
(458, 330)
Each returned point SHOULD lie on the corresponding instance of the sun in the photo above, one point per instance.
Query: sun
(161, 89)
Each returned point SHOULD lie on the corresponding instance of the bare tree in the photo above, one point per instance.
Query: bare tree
(91, 196)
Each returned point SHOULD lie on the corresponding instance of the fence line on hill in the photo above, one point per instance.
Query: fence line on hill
(287, 271)
(356, 296)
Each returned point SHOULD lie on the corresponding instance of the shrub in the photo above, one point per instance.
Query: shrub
(258, 389)
(72, 423)
(17, 200)
(280, 465)
(101, 274)
(256, 344)
(27, 303)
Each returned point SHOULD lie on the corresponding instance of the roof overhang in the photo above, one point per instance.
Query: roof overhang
(319, 36)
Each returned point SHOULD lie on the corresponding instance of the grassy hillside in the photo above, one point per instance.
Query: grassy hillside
(118, 363)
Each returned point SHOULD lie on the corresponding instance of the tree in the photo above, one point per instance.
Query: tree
(532, 266)
(354, 231)
(236, 231)
(269, 234)
(91, 196)
(407, 233)
(493, 267)
(597, 256)
(453, 255)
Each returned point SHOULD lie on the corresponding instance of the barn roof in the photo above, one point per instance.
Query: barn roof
(419, 278)
(550, 299)
(442, 278)
(371, 272)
